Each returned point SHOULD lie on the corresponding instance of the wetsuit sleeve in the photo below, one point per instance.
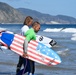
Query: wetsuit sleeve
(25, 45)
(27, 39)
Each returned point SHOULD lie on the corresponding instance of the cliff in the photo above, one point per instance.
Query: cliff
(9, 14)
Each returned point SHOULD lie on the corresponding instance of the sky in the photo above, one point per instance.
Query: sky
(52, 7)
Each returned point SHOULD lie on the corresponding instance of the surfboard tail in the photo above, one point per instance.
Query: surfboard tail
(1, 33)
(7, 38)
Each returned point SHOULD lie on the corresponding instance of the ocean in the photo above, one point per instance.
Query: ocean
(64, 35)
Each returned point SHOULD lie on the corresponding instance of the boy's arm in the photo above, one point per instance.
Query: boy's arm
(25, 45)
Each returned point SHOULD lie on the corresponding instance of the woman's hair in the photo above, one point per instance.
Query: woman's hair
(27, 20)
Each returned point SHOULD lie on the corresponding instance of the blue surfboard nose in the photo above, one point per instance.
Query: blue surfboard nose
(48, 52)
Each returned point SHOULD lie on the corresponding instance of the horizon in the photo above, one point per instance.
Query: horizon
(51, 7)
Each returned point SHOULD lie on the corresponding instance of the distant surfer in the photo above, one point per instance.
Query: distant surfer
(62, 29)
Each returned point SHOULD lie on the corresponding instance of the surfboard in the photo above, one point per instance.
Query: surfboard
(46, 41)
(36, 51)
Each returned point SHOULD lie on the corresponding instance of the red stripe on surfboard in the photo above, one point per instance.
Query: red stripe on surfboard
(15, 49)
(18, 41)
(33, 41)
(33, 44)
(17, 45)
(14, 44)
(31, 47)
(19, 37)
(50, 60)
(53, 61)
(22, 38)
(40, 61)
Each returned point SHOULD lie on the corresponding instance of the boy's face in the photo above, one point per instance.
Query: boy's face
(37, 28)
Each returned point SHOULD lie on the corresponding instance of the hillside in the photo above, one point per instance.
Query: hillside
(46, 18)
(9, 14)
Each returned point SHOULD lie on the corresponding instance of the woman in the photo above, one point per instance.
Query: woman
(27, 22)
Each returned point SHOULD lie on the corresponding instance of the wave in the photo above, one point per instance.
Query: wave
(63, 52)
(73, 38)
(68, 30)
(2, 28)
(74, 34)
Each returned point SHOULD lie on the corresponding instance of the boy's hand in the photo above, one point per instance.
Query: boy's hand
(25, 54)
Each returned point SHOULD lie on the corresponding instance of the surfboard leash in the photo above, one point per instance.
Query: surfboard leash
(4, 51)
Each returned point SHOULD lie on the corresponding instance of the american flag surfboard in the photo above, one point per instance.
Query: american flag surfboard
(37, 52)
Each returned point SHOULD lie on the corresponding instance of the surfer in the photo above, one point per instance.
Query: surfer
(30, 35)
(27, 22)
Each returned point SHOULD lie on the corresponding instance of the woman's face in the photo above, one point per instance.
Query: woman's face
(30, 23)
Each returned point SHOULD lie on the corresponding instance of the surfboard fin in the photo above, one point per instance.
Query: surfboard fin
(53, 42)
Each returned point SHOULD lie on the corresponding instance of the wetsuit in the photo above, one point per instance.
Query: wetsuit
(30, 68)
